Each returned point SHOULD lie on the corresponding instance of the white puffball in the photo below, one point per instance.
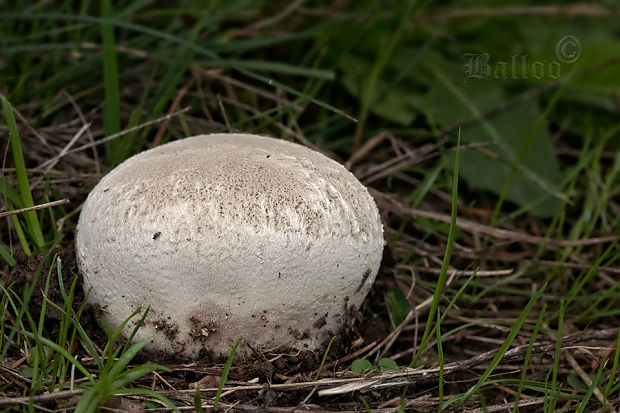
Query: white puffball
(229, 235)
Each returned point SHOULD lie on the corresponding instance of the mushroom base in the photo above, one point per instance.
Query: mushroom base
(268, 315)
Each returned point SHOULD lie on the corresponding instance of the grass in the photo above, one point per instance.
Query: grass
(23, 186)
(499, 287)
(229, 361)
(443, 274)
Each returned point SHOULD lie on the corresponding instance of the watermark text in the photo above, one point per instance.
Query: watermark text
(480, 66)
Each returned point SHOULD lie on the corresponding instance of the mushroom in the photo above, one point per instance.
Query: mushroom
(229, 235)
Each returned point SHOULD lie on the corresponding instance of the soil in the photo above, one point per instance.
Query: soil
(201, 329)
(169, 328)
(25, 272)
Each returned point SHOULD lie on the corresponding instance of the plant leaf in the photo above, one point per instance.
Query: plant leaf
(361, 366)
(387, 364)
(450, 101)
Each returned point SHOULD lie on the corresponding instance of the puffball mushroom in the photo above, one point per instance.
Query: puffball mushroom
(229, 235)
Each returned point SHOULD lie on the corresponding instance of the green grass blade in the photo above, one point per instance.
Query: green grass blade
(318, 372)
(382, 59)
(111, 108)
(64, 352)
(126, 358)
(59, 367)
(552, 400)
(175, 39)
(150, 393)
(3, 304)
(10, 194)
(229, 361)
(593, 386)
(136, 373)
(441, 361)
(92, 350)
(74, 317)
(19, 230)
(443, 275)
(452, 303)
(613, 375)
(197, 400)
(23, 307)
(527, 357)
(85, 401)
(31, 217)
(176, 69)
(136, 328)
(502, 350)
(37, 354)
(6, 255)
(107, 350)
(274, 67)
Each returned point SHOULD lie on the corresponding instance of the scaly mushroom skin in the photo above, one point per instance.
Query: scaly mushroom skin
(229, 235)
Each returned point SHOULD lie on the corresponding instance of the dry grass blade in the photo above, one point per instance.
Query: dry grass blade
(588, 381)
(48, 165)
(126, 131)
(410, 376)
(406, 376)
(46, 397)
(391, 204)
(34, 208)
(575, 9)
(387, 343)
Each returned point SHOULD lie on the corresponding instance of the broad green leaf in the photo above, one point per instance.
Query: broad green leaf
(361, 366)
(576, 382)
(450, 100)
(387, 364)
(587, 52)
(399, 306)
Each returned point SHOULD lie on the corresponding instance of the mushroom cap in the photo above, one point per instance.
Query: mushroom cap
(229, 235)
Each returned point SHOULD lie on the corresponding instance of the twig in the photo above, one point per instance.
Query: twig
(409, 376)
(89, 134)
(399, 162)
(34, 208)
(50, 163)
(502, 407)
(365, 149)
(347, 357)
(221, 105)
(612, 270)
(126, 131)
(29, 126)
(586, 379)
(270, 20)
(391, 338)
(260, 92)
(173, 107)
(475, 227)
(46, 397)
(460, 273)
(575, 9)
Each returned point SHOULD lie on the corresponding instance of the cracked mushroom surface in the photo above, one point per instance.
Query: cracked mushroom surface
(229, 235)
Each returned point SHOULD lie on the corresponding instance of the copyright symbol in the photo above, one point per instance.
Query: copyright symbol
(568, 49)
